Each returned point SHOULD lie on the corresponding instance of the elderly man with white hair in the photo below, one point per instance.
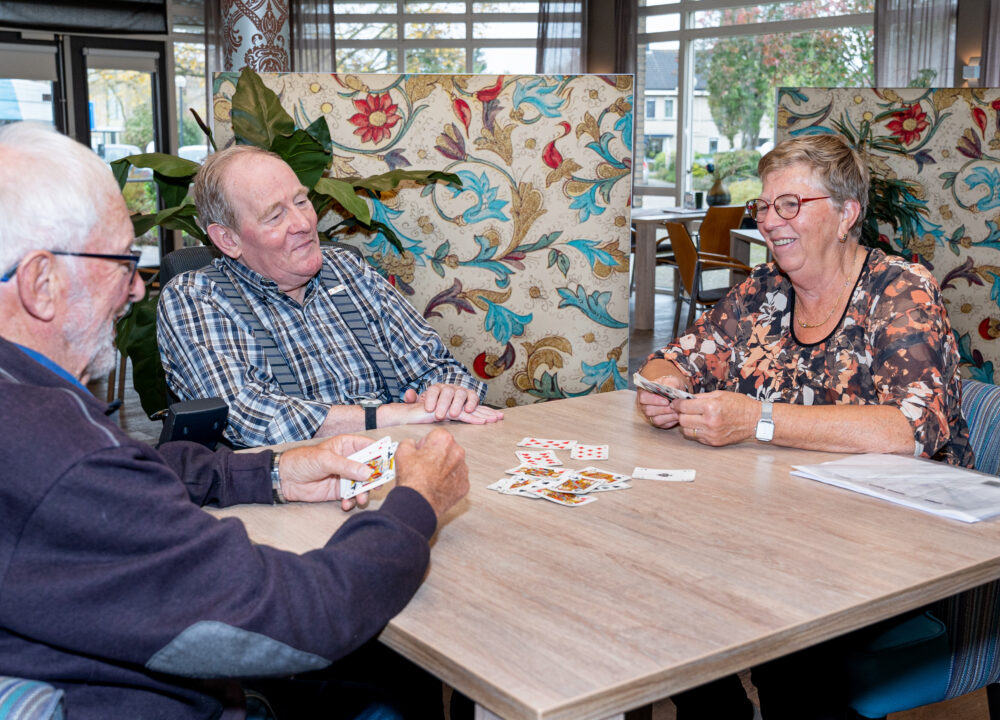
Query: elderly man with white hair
(116, 587)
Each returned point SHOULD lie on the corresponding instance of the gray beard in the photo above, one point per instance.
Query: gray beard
(96, 338)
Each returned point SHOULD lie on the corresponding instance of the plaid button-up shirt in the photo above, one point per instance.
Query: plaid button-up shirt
(208, 350)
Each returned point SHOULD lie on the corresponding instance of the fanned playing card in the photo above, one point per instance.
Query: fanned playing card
(593, 473)
(380, 459)
(663, 390)
(589, 452)
(567, 499)
(577, 485)
(548, 473)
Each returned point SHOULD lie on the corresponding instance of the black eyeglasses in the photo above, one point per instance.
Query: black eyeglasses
(132, 258)
(787, 206)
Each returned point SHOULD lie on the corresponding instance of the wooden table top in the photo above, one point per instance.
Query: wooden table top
(541, 611)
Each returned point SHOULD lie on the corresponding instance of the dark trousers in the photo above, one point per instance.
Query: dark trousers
(372, 682)
(807, 685)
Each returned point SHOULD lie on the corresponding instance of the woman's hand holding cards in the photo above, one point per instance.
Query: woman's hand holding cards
(654, 401)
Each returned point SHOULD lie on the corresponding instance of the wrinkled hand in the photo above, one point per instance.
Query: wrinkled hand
(659, 411)
(449, 402)
(718, 418)
(313, 473)
(435, 467)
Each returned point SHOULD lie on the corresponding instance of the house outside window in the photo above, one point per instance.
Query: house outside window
(717, 70)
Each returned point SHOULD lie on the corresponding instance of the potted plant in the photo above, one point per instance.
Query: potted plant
(725, 165)
(892, 201)
(260, 120)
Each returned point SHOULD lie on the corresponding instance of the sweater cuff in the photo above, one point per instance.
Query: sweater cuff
(412, 509)
(249, 477)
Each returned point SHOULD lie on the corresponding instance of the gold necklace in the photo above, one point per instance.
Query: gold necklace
(829, 314)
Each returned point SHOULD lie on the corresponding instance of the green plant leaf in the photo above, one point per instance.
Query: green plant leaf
(205, 129)
(304, 154)
(258, 118)
(343, 192)
(391, 180)
(173, 190)
(168, 165)
(136, 337)
(120, 169)
(320, 131)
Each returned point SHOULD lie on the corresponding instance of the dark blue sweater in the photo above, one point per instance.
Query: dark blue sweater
(116, 587)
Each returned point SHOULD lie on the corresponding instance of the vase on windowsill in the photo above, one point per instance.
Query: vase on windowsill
(717, 194)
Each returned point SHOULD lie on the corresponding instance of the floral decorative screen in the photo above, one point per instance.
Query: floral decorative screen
(524, 270)
(946, 141)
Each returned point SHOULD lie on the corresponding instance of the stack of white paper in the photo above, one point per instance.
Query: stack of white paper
(933, 487)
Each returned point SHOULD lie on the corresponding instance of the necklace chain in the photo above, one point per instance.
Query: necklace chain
(829, 315)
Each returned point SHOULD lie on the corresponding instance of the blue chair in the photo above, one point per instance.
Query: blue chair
(29, 700)
(954, 648)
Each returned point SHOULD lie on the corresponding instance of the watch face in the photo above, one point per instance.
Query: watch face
(765, 431)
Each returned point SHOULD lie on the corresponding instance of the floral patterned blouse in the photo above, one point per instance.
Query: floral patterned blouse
(892, 346)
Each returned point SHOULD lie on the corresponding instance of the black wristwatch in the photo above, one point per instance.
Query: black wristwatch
(371, 406)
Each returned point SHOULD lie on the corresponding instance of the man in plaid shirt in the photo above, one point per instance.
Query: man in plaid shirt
(258, 214)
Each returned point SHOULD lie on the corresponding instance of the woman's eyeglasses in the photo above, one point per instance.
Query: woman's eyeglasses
(787, 206)
(132, 258)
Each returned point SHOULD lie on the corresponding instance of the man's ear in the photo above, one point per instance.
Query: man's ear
(38, 286)
(226, 240)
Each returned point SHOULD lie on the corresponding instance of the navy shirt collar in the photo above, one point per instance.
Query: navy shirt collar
(46, 362)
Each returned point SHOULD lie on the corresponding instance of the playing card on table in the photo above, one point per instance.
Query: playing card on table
(523, 485)
(577, 485)
(564, 498)
(593, 473)
(545, 444)
(606, 487)
(380, 459)
(545, 473)
(663, 390)
(589, 452)
(538, 458)
(667, 475)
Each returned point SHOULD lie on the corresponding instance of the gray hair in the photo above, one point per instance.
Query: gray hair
(208, 193)
(53, 191)
(838, 167)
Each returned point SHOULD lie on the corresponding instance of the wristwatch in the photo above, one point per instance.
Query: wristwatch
(276, 495)
(765, 426)
(371, 406)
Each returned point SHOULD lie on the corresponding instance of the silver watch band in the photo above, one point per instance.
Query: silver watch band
(276, 495)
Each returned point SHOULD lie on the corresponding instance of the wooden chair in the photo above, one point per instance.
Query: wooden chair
(690, 266)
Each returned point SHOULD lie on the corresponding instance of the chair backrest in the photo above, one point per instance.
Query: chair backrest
(184, 259)
(685, 255)
(29, 700)
(981, 408)
(713, 235)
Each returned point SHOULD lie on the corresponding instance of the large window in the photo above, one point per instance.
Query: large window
(722, 66)
(462, 36)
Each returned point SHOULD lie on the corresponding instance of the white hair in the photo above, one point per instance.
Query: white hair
(53, 191)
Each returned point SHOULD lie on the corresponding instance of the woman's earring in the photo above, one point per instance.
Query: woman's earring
(843, 238)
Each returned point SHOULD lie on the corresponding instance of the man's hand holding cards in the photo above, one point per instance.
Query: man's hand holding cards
(380, 459)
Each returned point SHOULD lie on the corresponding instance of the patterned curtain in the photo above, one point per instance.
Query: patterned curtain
(313, 39)
(913, 37)
(989, 71)
(562, 37)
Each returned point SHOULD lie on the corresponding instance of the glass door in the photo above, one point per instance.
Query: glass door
(120, 111)
(29, 81)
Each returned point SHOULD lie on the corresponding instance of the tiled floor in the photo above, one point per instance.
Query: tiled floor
(969, 707)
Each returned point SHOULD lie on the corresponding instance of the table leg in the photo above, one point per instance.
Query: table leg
(645, 276)
(484, 714)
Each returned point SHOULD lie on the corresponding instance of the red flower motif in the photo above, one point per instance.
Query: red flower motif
(490, 93)
(979, 115)
(908, 123)
(377, 114)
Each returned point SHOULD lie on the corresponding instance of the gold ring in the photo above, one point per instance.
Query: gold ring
(695, 431)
